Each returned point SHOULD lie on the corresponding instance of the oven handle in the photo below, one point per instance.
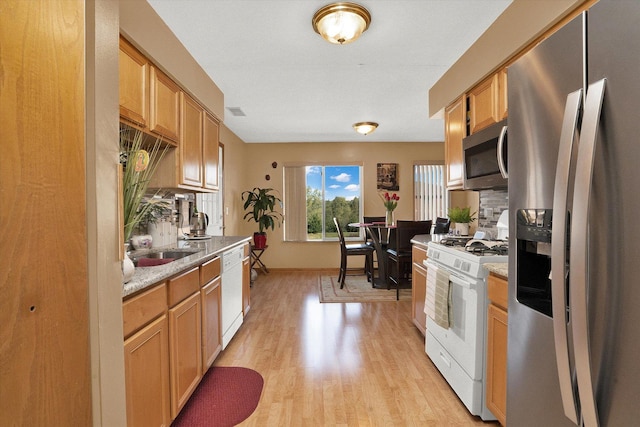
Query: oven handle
(454, 277)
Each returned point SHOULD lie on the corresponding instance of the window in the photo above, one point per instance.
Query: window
(430, 192)
(315, 194)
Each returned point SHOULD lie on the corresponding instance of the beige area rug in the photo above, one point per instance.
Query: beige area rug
(356, 289)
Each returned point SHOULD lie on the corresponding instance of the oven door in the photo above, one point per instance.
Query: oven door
(464, 338)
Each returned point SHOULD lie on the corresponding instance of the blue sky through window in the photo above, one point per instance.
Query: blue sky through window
(339, 181)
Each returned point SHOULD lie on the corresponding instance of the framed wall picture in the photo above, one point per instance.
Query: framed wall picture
(388, 177)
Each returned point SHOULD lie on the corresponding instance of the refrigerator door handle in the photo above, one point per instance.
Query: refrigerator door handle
(501, 154)
(559, 253)
(579, 257)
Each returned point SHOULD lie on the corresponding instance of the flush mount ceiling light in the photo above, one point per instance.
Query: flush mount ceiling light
(365, 128)
(341, 22)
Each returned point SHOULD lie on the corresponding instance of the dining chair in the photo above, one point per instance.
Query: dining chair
(367, 239)
(441, 226)
(355, 249)
(399, 251)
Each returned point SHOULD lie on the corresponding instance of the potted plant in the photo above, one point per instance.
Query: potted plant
(138, 166)
(462, 217)
(260, 205)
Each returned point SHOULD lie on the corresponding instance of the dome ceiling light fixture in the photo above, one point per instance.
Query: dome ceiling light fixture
(365, 128)
(341, 22)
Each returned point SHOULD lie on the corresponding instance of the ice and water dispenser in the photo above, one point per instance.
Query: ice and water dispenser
(533, 259)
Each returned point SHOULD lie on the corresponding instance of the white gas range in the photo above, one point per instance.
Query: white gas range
(458, 350)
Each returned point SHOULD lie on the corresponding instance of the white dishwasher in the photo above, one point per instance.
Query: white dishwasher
(231, 293)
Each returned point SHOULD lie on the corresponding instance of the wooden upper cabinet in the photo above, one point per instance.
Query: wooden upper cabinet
(455, 129)
(210, 151)
(502, 94)
(191, 142)
(483, 104)
(134, 86)
(164, 103)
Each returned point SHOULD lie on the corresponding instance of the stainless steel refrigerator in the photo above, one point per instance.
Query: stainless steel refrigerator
(574, 205)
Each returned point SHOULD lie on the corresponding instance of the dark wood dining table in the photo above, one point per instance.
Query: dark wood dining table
(379, 234)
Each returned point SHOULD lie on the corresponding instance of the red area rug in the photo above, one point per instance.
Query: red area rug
(225, 397)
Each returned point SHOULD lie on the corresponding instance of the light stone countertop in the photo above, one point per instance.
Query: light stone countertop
(207, 249)
(498, 268)
(424, 239)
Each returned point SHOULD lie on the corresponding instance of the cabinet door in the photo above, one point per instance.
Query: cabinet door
(210, 152)
(190, 145)
(483, 104)
(146, 358)
(134, 84)
(185, 346)
(497, 362)
(418, 293)
(455, 129)
(502, 94)
(246, 285)
(211, 331)
(164, 110)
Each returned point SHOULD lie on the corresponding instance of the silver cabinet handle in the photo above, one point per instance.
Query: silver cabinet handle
(501, 146)
(579, 257)
(559, 253)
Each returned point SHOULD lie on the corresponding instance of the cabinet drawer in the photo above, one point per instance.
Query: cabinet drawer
(184, 285)
(143, 308)
(209, 271)
(247, 250)
(498, 291)
(418, 255)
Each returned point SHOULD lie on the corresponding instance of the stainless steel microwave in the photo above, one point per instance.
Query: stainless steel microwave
(485, 158)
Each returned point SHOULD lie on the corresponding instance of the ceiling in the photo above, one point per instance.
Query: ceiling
(293, 86)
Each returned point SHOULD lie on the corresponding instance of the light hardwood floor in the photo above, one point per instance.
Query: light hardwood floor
(338, 364)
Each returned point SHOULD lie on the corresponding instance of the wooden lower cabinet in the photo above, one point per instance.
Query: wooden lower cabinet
(146, 357)
(496, 385)
(185, 343)
(211, 330)
(419, 288)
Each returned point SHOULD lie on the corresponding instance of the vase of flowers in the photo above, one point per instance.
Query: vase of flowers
(390, 204)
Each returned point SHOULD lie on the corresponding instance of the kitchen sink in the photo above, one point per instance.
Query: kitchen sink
(154, 258)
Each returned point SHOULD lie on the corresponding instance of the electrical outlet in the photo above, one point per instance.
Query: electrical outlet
(488, 212)
(226, 210)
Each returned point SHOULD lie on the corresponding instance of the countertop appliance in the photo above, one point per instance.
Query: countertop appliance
(199, 223)
(573, 271)
(459, 350)
(485, 158)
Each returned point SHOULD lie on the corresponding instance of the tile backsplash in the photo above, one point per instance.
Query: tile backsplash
(492, 203)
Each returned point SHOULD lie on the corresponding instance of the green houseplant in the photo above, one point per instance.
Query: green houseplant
(462, 217)
(260, 204)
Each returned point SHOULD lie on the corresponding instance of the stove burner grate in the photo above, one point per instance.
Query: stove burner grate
(480, 248)
(454, 241)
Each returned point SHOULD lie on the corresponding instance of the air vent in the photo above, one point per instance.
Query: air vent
(236, 111)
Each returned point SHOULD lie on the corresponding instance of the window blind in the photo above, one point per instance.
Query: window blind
(430, 192)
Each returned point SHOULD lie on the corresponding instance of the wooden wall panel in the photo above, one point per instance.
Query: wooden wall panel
(44, 338)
